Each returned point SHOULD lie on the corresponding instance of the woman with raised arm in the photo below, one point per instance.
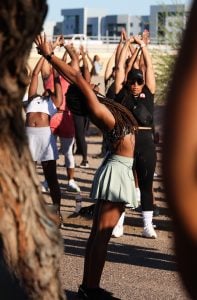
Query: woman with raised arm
(41, 140)
(62, 123)
(113, 185)
(136, 92)
(81, 122)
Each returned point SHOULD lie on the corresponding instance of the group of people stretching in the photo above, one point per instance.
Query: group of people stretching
(126, 122)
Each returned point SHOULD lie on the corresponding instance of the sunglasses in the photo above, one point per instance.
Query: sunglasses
(139, 81)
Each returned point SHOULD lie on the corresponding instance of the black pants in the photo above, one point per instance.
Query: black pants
(81, 125)
(144, 165)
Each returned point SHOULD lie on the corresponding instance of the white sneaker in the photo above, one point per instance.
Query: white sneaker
(149, 232)
(84, 165)
(72, 186)
(118, 231)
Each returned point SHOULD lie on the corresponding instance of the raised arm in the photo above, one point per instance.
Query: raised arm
(133, 58)
(109, 66)
(120, 68)
(90, 59)
(86, 71)
(65, 55)
(121, 43)
(73, 55)
(57, 95)
(33, 87)
(99, 114)
(134, 61)
(146, 40)
(149, 74)
(46, 67)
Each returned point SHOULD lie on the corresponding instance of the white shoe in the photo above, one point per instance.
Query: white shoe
(118, 231)
(149, 232)
(72, 186)
(84, 165)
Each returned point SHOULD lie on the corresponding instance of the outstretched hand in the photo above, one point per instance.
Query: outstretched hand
(44, 47)
(138, 39)
(58, 42)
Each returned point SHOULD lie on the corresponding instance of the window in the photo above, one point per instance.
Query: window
(161, 17)
(89, 30)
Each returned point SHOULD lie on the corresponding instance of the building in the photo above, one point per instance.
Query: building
(133, 25)
(94, 22)
(167, 22)
(80, 21)
(164, 22)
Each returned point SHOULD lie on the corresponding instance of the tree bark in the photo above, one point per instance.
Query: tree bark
(30, 243)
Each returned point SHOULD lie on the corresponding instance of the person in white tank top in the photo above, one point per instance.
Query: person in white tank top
(42, 143)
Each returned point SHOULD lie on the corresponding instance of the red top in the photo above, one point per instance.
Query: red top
(62, 122)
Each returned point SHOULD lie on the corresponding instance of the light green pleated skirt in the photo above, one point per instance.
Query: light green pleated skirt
(114, 181)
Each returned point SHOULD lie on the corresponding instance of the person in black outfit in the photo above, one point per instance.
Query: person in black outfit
(81, 122)
(81, 126)
(136, 92)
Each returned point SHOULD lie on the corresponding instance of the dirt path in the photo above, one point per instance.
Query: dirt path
(136, 268)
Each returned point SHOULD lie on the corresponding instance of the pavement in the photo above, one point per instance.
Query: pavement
(136, 267)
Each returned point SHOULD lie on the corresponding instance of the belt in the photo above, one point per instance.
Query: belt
(145, 128)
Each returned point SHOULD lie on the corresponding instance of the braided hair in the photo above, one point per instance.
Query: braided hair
(124, 119)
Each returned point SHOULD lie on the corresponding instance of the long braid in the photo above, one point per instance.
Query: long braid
(123, 117)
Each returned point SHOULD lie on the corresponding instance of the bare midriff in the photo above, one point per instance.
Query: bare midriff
(125, 147)
(37, 119)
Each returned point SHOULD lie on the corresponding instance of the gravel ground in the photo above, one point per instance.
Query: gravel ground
(136, 268)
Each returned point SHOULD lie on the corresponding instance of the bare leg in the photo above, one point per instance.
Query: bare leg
(105, 218)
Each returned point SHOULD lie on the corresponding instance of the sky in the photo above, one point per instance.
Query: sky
(131, 7)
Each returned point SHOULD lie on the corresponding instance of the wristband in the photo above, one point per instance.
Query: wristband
(57, 79)
(49, 56)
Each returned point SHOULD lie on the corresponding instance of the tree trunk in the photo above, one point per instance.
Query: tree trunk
(30, 243)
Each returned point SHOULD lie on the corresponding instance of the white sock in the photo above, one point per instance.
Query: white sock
(138, 194)
(147, 218)
(121, 220)
(71, 181)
